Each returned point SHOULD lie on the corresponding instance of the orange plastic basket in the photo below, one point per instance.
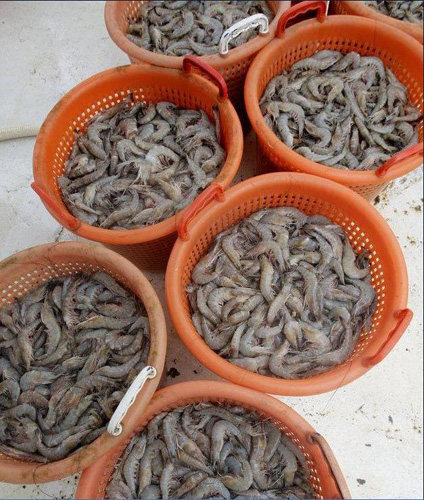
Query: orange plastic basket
(326, 476)
(148, 247)
(359, 8)
(398, 51)
(232, 66)
(24, 271)
(365, 228)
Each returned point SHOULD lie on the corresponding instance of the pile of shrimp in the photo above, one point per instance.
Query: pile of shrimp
(282, 294)
(404, 11)
(138, 164)
(196, 27)
(207, 450)
(68, 351)
(345, 111)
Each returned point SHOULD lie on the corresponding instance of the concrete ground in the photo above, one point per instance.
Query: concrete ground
(374, 425)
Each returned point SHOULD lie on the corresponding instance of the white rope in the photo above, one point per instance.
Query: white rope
(18, 132)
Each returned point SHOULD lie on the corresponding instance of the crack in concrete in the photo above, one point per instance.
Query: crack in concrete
(59, 234)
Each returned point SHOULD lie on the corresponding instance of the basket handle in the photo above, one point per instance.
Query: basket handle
(190, 62)
(302, 8)
(240, 27)
(65, 218)
(114, 427)
(402, 155)
(316, 438)
(212, 192)
(404, 318)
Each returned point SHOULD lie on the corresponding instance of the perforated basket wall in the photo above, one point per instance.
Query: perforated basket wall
(95, 480)
(152, 255)
(343, 33)
(233, 66)
(311, 205)
(26, 270)
(359, 8)
(147, 247)
(32, 276)
(365, 228)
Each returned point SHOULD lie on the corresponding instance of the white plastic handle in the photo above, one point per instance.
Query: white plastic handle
(240, 27)
(115, 428)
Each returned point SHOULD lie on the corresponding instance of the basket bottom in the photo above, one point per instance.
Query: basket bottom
(152, 256)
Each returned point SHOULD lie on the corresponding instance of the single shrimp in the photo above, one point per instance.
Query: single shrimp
(132, 463)
(220, 430)
(118, 372)
(34, 398)
(228, 246)
(201, 439)
(62, 450)
(191, 482)
(240, 482)
(255, 365)
(256, 460)
(190, 447)
(249, 345)
(33, 378)
(9, 393)
(209, 488)
(313, 292)
(348, 263)
(169, 433)
(145, 469)
(193, 463)
(165, 479)
(53, 329)
(204, 307)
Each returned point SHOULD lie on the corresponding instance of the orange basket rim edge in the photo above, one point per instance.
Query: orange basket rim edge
(163, 228)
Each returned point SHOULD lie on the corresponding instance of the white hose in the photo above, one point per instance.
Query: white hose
(8, 133)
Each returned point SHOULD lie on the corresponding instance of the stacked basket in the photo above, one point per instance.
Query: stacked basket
(343, 33)
(233, 66)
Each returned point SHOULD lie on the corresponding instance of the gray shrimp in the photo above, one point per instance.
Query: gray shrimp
(136, 165)
(241, 464)
(61, 386)
(340, 101)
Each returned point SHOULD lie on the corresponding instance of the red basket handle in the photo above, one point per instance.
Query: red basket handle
(314, 437)
(302, 8)
(212, 192)
(65, 218)
(190, 62)
(402, 155)
(405, 317)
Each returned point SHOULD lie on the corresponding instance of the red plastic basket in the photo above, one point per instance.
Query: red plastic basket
(148, 247)
(326, 476)
(403, 55)
(364, 227)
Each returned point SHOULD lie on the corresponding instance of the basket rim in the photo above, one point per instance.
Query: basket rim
(267, 136)
(217, 61)
(20, 472)
(336, 377)
(168, 226)
(210, 390)
(361, 9)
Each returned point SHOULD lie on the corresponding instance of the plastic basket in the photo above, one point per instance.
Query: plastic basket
(26, 270)
(359, 8)
(326, 476)
(365, 228)
(398, 51)
(148, 247)
(232, 66)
